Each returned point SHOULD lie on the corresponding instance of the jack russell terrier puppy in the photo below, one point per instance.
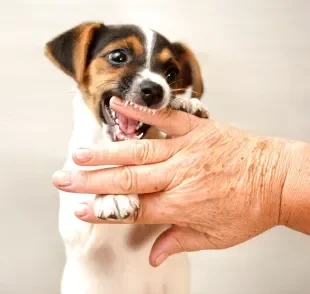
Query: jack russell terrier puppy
(148, 72)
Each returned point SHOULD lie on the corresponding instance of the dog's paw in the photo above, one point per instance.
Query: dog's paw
(116, 207)
(195, 106)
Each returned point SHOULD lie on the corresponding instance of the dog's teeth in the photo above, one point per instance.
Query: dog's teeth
(135, 106)
(117, 121)
(153, 112)
(145, 109)
(149, 110)
(126, 103)
(141, 108)
(130, 103)
(113, 114)
(140, 124)
(140, 136)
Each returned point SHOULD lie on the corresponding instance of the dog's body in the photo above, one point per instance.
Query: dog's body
(110, 258)
(114, 258)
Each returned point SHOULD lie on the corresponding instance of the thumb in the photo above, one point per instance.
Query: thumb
(176, 240)
(171, 122)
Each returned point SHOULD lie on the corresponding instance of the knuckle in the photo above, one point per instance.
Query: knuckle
(83, 181)
(125, 180)
(165, 114)
(142, 152)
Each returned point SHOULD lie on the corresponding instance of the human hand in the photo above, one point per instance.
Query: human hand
(217, 185)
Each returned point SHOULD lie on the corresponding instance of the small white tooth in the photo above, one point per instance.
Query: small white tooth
(130, 103)
(140, 136)
(113, 114)
(135, 106)
(140, 108)
(153, 111)
(117, 121)
(145, 109)
(126, 103)
(140, 124)
(150, 110)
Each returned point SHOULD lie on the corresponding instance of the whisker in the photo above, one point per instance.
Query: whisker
(175, 81)
(180, 89)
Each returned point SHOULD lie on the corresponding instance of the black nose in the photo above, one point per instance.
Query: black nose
(152, 93)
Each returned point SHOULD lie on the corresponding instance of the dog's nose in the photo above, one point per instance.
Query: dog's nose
(152, 93)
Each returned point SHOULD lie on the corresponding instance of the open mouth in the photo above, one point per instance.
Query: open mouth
(122, 127)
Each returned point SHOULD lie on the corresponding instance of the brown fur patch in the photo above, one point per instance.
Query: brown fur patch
(100, 77)
(85, 33)
(74, 51)
(165, 55)
(190, 73)
(131, 42)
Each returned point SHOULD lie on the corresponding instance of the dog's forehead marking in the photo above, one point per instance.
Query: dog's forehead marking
(150, 38)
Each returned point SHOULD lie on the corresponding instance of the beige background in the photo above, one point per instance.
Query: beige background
(255, 57)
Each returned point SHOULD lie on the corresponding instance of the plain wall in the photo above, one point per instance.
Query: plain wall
(255, 57)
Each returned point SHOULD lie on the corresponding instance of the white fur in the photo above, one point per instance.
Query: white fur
(146, 74)
(149, 45)
(99, 259)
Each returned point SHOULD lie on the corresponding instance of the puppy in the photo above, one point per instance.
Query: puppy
(149, 72)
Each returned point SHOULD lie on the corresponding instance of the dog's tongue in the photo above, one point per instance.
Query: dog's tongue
(127, 125)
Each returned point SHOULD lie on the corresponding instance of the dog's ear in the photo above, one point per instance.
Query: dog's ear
(69, 51)
(190, 73)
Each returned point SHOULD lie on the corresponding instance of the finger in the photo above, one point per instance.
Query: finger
(137, 152)
(117, 180)
(153, 209)
(176, 240)
(171, 122)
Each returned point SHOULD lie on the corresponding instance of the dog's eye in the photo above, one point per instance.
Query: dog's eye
(172, 75)
(118, 57)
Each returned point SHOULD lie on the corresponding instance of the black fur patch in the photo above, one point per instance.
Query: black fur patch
(109, 34)
(61, 49)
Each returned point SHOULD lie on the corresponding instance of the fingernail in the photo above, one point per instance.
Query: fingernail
(62, 178)
(160, 259)
(81, 210)
(83, 154)
(117, 101)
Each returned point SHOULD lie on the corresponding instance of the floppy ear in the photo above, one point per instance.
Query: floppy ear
(69, 51)
(190, 73)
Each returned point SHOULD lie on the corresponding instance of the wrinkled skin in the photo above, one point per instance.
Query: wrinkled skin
(219, 186)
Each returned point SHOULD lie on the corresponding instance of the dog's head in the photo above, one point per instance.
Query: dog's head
(140, 66)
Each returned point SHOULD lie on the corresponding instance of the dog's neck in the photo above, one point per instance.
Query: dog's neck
(86, 131)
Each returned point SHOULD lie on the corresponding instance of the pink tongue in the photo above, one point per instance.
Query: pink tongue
(127, 125)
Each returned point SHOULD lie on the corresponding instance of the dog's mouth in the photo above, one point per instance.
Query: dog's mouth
(122, 127)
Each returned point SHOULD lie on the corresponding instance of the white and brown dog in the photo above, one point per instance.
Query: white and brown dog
(144, 68)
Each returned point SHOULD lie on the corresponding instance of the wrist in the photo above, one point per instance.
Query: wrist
(295, 202)
(273, 162)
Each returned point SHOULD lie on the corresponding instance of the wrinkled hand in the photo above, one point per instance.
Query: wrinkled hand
(217, 185)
